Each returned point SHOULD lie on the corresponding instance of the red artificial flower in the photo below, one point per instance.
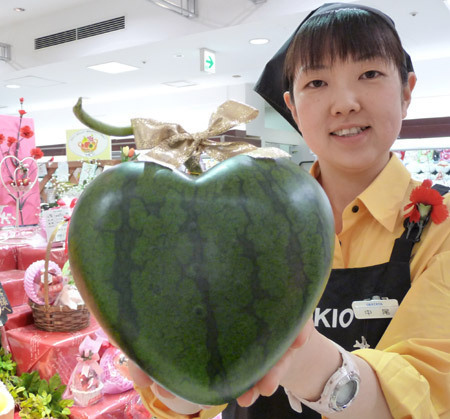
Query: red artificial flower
(22, 112)
(26, 132)
(131, 152)
(21, 100)
(2, 138)
(424, 201)
(36, 153)
(11, 141)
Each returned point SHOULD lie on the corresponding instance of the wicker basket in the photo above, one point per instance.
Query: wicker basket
(57, 318)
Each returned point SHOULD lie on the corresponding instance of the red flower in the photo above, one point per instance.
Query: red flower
(22, 112)
(21, 100)
(131, 152)
(26, 132)
(2, 138)
(36, 153)
(424, 201)
(11, 141)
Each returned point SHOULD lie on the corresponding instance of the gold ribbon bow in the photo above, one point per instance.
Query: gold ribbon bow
(170, 143)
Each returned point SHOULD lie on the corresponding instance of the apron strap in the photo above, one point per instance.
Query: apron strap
(404, 244)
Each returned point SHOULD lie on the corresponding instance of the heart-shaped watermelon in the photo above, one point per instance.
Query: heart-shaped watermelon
(204, 281)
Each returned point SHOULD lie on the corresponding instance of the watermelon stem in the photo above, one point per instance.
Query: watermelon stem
(193, 165)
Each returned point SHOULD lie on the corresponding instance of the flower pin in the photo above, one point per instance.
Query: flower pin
(426, 202)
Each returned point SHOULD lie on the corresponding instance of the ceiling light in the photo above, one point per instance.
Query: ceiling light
(19, 9)
(259, 41)
(12, 86)
(179, 83)
(113, 67)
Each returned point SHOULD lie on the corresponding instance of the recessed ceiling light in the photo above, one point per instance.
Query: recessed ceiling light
(19, 9)
(12, 86)
(180, 83)
(178, 55)
(259, 41)
(113, 67)
(236, 76)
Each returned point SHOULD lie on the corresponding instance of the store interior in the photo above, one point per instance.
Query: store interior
(175, 62)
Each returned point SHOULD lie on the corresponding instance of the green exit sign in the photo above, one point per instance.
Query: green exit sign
(207, 60)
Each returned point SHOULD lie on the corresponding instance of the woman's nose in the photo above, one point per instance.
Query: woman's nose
(344, 101)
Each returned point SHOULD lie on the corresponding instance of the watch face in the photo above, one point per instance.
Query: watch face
(346, 393)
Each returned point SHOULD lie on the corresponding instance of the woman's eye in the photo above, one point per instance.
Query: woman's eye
(371, 74)
(316, 83)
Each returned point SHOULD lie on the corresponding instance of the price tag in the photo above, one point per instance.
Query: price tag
(51, 218)
(375, 308)
(88, 171)
(62, 171)
(42, 169)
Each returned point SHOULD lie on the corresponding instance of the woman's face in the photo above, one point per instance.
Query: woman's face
(350, 112)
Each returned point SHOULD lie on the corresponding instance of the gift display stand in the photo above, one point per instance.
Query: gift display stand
(44, 351)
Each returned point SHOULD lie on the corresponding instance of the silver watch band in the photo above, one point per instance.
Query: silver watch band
(327, 403)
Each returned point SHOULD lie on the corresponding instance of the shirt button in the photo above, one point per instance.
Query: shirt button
(355, 208)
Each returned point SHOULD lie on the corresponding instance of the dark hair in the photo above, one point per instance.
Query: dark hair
(340, 34)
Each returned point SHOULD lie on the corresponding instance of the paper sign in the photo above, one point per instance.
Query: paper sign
(88, 172)
(51, 219)
(62, 171)
(87, 144)
(42, 170)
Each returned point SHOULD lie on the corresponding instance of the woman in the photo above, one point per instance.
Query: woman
(347, 86)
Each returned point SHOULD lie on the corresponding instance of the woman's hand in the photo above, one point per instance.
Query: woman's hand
(141, 379)
(270, 382)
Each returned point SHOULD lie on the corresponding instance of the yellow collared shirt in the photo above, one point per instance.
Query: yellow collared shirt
(412, 360)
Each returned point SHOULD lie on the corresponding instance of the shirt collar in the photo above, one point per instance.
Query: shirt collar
(385, 196)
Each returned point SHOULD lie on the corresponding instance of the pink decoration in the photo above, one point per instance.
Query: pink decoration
(32, 280)
(85, 385)
(115, 372)
(10, 198)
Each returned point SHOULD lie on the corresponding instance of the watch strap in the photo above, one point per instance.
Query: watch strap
(326, 405)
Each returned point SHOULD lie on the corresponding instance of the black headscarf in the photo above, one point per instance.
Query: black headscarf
(272, 83)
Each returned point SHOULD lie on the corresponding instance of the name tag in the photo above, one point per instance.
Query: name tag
(376, 308)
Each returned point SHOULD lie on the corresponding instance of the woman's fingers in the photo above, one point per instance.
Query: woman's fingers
(271, 381)
(161, 392)
(140, 378)
(248, 398)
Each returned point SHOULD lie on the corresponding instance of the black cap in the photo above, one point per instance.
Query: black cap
(272, 83)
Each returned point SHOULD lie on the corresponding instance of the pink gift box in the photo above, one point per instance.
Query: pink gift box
(47, 352)
(12, 283)
(20, 317)
(27, 255)
(8, 258)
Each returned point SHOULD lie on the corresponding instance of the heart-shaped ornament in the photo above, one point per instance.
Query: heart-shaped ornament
(18, 176)
(204, 281)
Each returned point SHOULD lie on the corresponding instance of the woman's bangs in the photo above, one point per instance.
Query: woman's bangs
(325, 38)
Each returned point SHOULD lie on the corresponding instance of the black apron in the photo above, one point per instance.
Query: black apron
(334, 318)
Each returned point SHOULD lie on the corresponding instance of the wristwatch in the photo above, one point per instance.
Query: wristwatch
(339, 391)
